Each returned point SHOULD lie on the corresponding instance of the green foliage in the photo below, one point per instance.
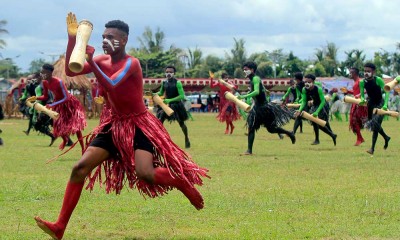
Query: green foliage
(237, 54)
(259, 57)
(264, 70)
(318, 70)
(152, 43)
(238, 73)
(36, 65)
(3, 31)
(283, 191)
(294, 64)
(8, 69)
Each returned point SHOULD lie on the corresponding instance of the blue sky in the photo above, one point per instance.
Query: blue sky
(37, 28)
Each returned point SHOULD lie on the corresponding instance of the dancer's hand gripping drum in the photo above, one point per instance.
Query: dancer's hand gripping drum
(77, 59)
(378, 111)
(390, 85)
(165, 107)
(40, 108)
(310, 117)
(229, 96)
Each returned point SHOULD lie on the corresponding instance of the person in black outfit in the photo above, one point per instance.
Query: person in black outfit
(174, 96)
(1, 118)
(319, 108)
(298, 122)
(29, 92)
(374, 88)
(269, 115)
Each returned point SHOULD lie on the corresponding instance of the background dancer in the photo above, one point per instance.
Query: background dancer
(373, 85)
(41, 122)
(29, 92)
(174, 96)
(228, 111)
(320, 107)
(358, 114)
(71, 113)
(269, 115)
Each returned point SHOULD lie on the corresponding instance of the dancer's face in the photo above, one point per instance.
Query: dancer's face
(45, 74)
(113, 40)
(368, 73)
(247, 71)
(308, 83)
(169, 73)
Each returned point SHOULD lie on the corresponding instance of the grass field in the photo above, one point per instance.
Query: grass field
(283, 191)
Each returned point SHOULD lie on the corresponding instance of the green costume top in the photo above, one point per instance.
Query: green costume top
(294, 91)
(169, 89)
(39, 92)
(317, 95)
(374, 88)
(257, 91)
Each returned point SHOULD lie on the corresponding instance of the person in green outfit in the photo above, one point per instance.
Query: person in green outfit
(29, 92)
(174, 95)
(263, 113)
(319, 108)
(374, 85)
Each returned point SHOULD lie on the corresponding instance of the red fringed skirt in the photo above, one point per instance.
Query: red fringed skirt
(121, 171)
(358, 117)
(228, 112)
(72, 117)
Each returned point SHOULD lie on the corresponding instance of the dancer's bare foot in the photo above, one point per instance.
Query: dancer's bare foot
(49, 228)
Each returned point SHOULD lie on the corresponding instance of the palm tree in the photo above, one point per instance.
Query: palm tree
(152, 43)
(331, 58)
(359, 58)
(278, 58)
(327, 57)
(355, 58)
(238, 53)
(396, 60)
(319, 54)
(2, 31)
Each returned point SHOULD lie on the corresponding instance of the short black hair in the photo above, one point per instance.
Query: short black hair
(355, 70)
(48, 67)
(370, 65)
(224, 75)
(170, 66)
(298, 76)
(118, 24)
(312, 77)
(251, 65)
(36, 75)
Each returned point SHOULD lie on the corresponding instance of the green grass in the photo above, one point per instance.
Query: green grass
(283, 191)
